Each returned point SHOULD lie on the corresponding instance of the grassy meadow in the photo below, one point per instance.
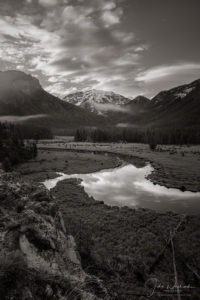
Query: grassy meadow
(175, 166)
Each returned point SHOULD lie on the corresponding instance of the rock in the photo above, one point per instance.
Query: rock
(48, 291)
(71, 250)
(34, 241)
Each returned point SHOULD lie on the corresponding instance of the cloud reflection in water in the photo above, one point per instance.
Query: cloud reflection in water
(128, 186)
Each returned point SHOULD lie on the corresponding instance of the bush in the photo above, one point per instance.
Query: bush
(6, 165)
(13, 150)
(12, 267)
(152, 146)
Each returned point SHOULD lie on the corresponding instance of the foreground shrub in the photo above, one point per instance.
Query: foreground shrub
(152, 146)
(13, 149)
(12, 265)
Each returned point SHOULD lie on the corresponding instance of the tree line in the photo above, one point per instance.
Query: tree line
(13, 146)
(34, 132)
(152, 136)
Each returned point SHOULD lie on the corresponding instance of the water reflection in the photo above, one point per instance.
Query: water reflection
(127, 185)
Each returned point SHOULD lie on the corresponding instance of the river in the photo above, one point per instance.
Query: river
(127, 185)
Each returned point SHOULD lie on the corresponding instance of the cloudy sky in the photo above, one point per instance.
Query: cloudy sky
(130, 47)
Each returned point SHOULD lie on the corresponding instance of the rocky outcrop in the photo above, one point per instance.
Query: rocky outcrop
(38, 258)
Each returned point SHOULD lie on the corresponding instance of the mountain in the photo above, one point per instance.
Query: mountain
(179, 106)
(177, 93)
(140, 100)
(22, 96)
(23, 99)
(97, 101)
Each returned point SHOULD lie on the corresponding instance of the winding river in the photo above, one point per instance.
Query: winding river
(127, 186)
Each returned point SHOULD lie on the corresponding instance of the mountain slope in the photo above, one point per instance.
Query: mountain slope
(179, 106)
(22, 95)
(97, 101)
(179, 92)
(140, 100)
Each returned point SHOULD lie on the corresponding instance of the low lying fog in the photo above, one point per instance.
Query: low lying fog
(20, 118)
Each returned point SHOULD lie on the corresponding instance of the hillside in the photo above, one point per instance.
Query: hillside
(139, 100)
(178, 107)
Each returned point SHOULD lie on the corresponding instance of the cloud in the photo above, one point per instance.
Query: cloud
(111, 17)
(48, 2)
(19, 119)
(126, 125)
(165, 77)
(77, 15)
(70, 44)
(156, 73)
(109, 5)
(110, 107)
(59, 89)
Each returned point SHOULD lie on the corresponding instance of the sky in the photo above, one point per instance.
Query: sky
(131, 47)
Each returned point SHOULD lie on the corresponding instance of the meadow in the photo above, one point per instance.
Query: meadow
(175, 166)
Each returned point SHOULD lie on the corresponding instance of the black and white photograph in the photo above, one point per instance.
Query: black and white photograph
(99, 149)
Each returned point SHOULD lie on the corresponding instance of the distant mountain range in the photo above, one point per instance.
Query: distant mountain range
(23, 99)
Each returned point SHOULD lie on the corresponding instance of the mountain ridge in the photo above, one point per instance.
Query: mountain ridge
(140, 100)
(22, 95)
(178, 92)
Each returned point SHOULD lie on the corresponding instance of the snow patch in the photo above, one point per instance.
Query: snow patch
(184, 93)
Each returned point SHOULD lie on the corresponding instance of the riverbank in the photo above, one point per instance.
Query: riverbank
(48, 162)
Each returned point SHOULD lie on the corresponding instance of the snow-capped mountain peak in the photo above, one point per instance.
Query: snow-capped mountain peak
(97, 101)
